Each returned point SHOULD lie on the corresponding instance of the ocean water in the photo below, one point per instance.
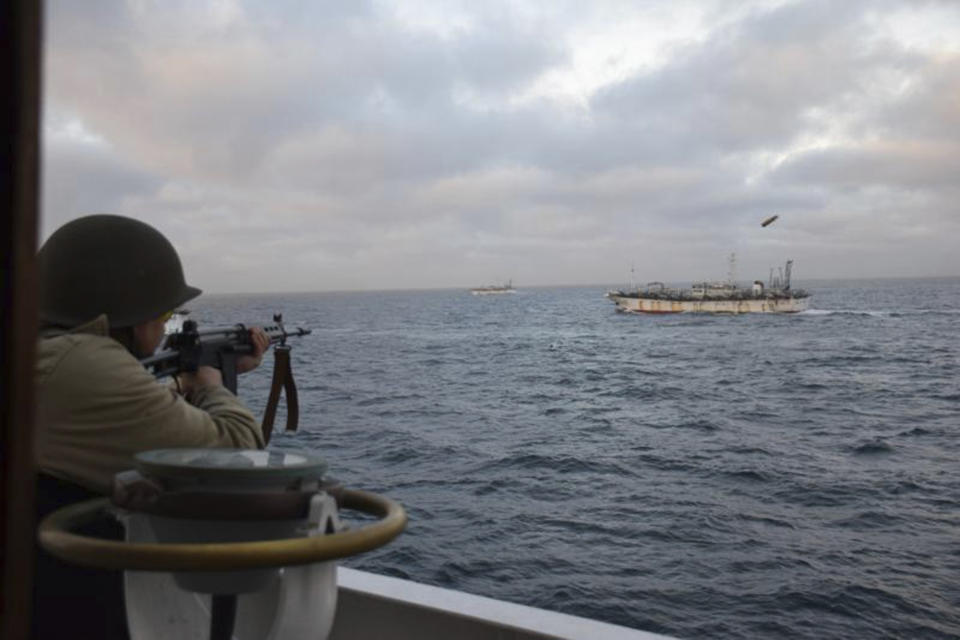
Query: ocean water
(699, 476)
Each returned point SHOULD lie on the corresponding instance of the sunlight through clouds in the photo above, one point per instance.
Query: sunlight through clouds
(553, 137)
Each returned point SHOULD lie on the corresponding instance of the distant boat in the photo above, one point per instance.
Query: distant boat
(716, 297)
(175, 322)
(494, 289)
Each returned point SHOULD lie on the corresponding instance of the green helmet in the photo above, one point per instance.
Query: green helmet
(109, 264)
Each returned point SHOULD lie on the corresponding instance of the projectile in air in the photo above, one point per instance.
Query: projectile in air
(769, 221)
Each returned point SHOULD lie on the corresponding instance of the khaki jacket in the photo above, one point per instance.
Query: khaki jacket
(97, 406)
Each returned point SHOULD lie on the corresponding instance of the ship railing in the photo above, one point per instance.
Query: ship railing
(686, 295)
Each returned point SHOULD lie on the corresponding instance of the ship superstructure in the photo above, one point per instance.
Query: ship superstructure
(775, 296)
(494, 289)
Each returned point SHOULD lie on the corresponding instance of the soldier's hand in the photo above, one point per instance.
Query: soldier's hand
(203, 377)
(261, 342)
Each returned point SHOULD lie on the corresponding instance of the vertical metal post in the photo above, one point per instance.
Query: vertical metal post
(20, 66)
(223, 614)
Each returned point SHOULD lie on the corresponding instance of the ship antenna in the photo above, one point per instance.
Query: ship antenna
(732, 272)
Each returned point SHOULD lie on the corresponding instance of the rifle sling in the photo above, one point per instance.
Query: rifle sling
(282, 379)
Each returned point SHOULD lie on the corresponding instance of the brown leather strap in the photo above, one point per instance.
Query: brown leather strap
(293, 402)
(282, 379)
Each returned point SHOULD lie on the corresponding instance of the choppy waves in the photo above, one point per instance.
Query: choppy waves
(700, 476)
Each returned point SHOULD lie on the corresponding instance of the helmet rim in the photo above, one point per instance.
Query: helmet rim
(111, 265)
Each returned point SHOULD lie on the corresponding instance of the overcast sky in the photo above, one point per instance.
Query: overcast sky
(299, 146)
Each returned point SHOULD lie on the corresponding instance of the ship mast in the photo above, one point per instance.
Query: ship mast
(732, 269)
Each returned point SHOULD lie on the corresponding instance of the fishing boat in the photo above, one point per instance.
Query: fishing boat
(494, 289)
(774, 296)
(175, 322)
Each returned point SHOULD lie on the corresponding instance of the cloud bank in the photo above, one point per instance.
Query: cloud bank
(368, 145)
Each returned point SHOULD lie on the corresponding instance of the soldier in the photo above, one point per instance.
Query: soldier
(108, 284)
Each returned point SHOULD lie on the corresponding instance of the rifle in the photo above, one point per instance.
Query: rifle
(190, 348)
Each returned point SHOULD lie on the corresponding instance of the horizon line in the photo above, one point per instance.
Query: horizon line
(541, 286)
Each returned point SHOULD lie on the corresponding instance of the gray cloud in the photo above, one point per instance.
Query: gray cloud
(752, 86)
(367, 146)
(79, 179)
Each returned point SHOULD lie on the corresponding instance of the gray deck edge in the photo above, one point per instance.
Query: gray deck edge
(434, 602)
